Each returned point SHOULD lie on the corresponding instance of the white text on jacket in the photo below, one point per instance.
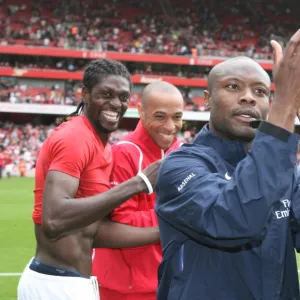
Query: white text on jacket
(286, 211)
(185, 181)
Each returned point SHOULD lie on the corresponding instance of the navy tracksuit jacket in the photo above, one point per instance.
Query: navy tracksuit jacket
(229, 221)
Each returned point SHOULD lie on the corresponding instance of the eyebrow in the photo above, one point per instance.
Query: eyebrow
(163, 112)
(105, 87)
(237, 79)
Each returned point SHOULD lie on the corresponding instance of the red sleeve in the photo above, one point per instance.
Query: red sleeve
(69, 153)
(126, 163)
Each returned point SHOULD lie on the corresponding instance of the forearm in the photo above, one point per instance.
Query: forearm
(77, 213)
(116, 235)
(282, 116)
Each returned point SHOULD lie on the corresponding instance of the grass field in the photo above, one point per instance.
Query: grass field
(16, 232)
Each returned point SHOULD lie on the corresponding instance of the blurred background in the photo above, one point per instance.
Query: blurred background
(45, 45)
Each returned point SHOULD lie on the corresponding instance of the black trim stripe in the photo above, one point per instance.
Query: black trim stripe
(273, 130)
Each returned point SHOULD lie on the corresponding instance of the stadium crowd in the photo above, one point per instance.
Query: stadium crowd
(20, 144)
(192, 28)
(13, 92)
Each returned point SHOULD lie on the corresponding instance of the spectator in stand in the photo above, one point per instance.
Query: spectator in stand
(22, 168)
(8, 166)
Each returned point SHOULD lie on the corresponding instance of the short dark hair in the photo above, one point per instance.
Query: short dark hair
(94, 73)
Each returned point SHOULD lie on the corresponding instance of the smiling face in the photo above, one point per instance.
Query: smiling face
(106, 103)
(239, 93)
(162, 116)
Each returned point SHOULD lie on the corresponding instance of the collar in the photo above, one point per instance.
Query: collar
(231, 151)
(142, 138)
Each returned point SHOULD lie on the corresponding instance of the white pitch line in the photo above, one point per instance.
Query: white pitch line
(19, 274)
(10, 274)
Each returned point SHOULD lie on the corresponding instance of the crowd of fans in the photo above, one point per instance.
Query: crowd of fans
(20, 145)
(140, 26)
(72, 65)
(13, 92)
(188, 27)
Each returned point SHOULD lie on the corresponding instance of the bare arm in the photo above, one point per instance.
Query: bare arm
(62, 212)
(116, 235)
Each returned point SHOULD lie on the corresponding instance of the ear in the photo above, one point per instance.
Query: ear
(207, 99)
(85, 95)
(141, 111)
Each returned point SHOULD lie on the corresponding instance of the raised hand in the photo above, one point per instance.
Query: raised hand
(286, 72)
(277, 55)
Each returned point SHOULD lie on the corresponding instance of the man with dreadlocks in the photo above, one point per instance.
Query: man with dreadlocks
(72, 195)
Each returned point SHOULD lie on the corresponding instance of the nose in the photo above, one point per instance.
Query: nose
(169, 125)
(115, 102)
(248, 98)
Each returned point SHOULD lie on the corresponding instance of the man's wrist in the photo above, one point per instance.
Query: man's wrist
(282, 116)
(140, 184)
(271, 129)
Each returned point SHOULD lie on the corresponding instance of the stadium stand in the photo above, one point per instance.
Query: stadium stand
(21, 143)
(200, 27)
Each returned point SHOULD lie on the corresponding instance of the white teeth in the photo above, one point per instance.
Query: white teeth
(166, 136)
(111, 116)
(246, 116)
(110, 113)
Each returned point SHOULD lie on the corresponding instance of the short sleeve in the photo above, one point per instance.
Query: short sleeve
(69, 154)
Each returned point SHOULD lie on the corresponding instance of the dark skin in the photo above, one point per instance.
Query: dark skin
(72, 227)
(238, 94)
(233, 85)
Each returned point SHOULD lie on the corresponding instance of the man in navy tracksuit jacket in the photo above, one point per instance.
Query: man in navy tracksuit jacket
(228, 215)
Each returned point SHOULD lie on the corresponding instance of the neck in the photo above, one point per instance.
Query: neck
(216, 132)
(104, 137)
(247, 145)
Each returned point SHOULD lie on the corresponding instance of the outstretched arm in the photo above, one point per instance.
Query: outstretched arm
(115, 235)
(126, 166)
(61, 211)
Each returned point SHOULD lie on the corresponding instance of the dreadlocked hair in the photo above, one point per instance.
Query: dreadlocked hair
(94, 73)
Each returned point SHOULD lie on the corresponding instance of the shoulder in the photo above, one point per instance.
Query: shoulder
(69, 137)
(186, 157)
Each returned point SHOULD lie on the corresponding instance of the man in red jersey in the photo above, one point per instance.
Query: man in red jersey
(131, 274)
(72, 196)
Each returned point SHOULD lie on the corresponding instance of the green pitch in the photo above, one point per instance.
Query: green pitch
(16, 232)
